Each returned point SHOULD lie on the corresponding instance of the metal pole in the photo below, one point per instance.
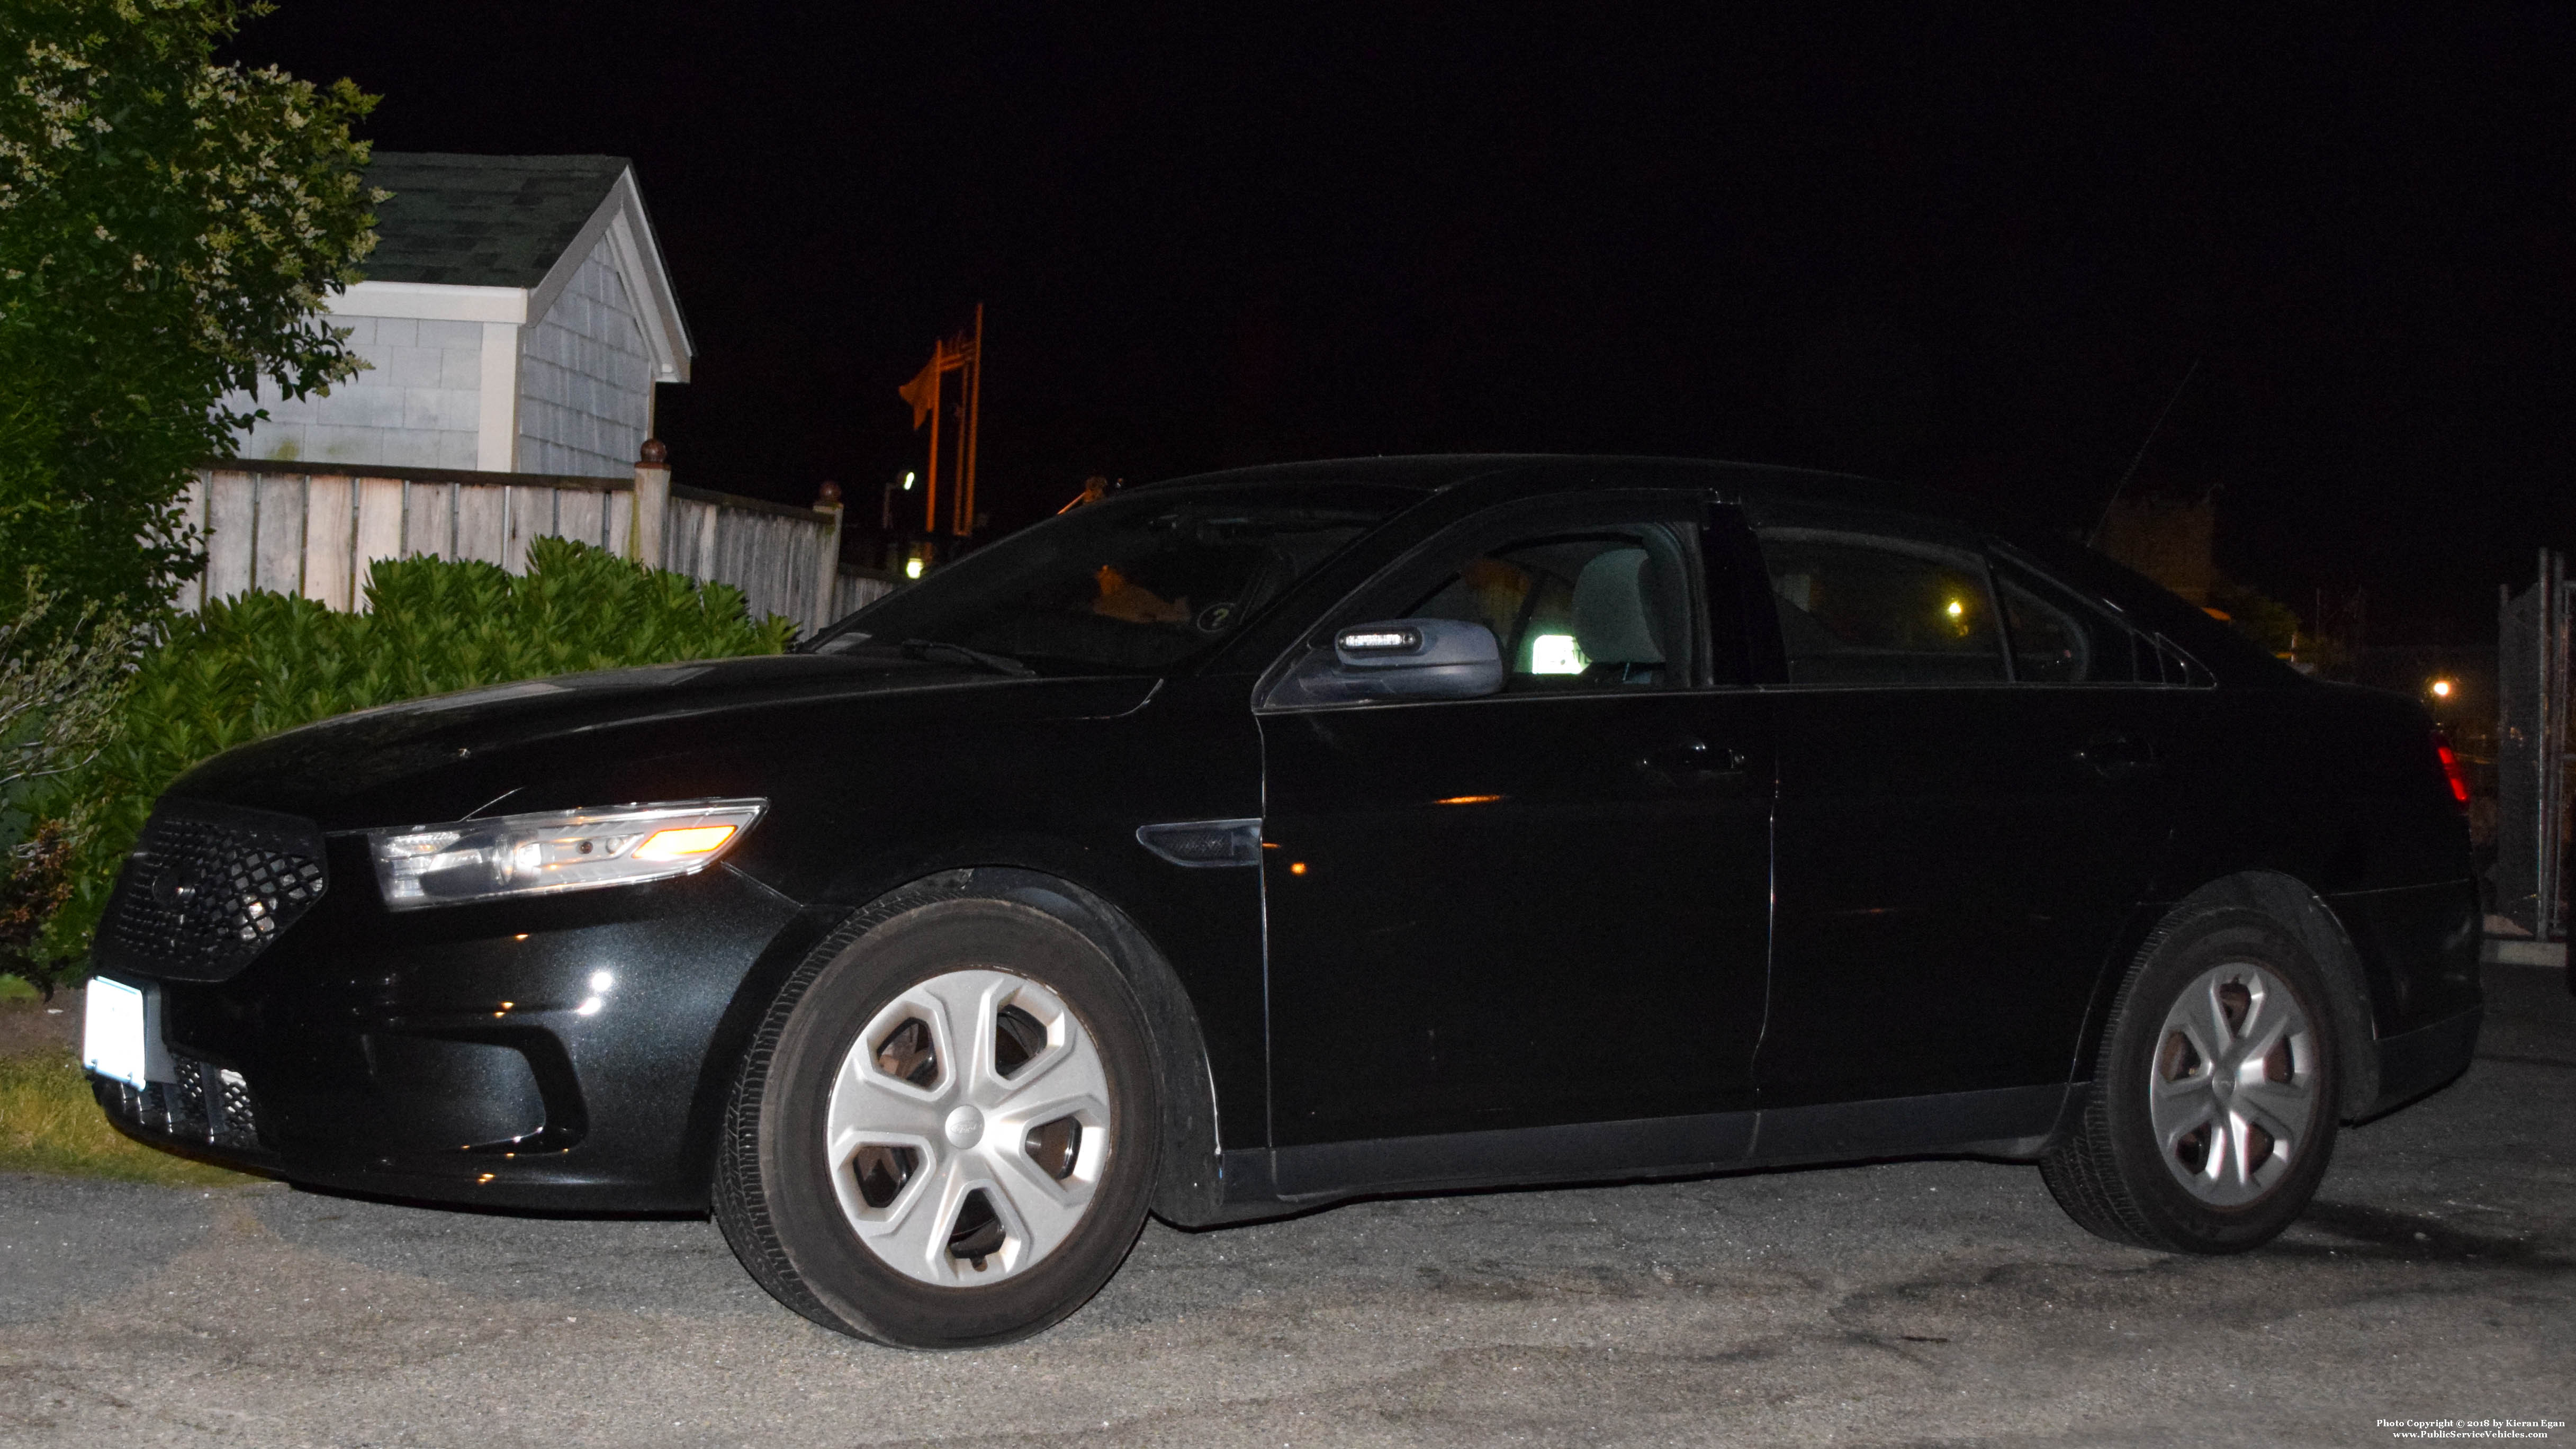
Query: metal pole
(930, 475)
(2553, 743)
(974, 382)
(2543, 608)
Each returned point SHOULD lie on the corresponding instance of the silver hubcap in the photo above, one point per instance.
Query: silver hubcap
(968, 1128)
(2232, 1090)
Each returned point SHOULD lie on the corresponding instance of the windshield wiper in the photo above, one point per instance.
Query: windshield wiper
(960, 654)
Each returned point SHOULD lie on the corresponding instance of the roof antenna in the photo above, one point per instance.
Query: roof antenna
(2141, 455)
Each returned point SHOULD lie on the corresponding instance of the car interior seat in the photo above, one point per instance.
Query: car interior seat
(1615, 621)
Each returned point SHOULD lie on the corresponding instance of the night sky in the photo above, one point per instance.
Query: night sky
(1944, 247)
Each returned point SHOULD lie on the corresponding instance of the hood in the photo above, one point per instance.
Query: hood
(325, 769)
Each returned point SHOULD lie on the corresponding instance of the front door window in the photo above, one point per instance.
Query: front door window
(1605, 608)
(1539, 906)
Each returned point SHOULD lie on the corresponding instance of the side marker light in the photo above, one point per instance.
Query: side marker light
(683, 843)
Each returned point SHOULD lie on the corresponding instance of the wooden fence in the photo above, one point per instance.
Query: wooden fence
(299, 528)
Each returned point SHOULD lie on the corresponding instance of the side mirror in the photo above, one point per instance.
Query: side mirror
(1417, 659)
(1397, 659)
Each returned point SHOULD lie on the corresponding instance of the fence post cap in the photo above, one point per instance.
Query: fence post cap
(828, 496)
(655, 455)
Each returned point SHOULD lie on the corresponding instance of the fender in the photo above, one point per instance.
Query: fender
(2304, 914)
(1188, 1192)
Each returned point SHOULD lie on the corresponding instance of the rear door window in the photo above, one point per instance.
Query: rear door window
(2058, 638)
(1862, 609)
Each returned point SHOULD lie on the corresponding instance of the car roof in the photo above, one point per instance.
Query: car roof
(1433, 473)
(1512, 474)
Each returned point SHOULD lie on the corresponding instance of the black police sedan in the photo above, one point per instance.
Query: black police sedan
(1251, 841)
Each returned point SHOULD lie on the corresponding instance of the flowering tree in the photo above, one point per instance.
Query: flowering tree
(169, 229)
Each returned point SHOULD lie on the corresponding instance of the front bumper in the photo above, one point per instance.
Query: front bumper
(568, 1053)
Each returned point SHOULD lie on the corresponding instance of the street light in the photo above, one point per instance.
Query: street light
(885, 513)
(2441, 689)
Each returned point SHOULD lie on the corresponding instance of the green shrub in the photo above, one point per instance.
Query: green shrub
(258, 663)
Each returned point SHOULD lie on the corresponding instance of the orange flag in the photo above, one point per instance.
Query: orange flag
(923, 391)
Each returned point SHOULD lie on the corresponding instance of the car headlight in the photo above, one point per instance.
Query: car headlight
(555, 850)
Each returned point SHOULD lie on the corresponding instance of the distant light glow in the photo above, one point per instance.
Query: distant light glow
(912, 568)
(1296, 867)
(1471, 800)
(602, 980)
(907, 481)
(1557, 654)
(590, 1006)
(1957, 609)
(2441, 689)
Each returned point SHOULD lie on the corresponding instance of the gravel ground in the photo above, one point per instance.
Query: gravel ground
(1905, 1303)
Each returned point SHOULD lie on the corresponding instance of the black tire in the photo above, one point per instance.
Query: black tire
(2115, 1174)
(776, 1195)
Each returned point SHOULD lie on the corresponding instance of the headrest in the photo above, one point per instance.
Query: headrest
(1613, 621)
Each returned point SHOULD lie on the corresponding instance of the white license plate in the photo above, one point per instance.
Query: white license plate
(112, 1031)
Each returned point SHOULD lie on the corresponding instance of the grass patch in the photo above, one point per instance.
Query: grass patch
(13, 989)
(49, 1122)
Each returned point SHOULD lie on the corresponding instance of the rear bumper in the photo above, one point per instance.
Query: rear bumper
(2413, 1063)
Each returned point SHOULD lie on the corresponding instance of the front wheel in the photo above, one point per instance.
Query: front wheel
(942, 1136)
(2212, 1111)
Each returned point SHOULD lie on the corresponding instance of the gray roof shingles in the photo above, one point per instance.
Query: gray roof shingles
(481, 221)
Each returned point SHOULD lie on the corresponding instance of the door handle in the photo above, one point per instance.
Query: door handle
(1692, 758)
(2117, 754)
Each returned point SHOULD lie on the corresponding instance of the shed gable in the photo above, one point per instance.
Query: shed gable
(515, 318)
(585, 377)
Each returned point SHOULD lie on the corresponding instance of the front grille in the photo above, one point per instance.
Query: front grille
(233, 1100)
(207, 1104)
(191, 1087)
(207, 888)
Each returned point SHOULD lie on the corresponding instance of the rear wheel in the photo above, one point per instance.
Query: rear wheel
(2212, 1111)
(942, 1136)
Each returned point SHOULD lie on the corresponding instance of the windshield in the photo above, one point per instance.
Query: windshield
(1141, 584)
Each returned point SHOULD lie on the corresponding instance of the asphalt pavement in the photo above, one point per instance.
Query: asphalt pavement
(1915, 1303)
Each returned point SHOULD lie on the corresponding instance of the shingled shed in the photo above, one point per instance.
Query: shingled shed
(516, 315)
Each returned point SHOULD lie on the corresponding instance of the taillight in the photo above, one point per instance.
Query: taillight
(2451, 771)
